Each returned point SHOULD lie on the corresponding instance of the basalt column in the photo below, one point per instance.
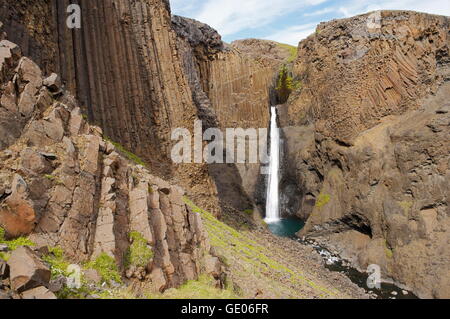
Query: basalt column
(124, 67)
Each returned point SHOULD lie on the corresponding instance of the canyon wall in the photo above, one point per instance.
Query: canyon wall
(232, 87)
(123, 66)
(63, 185)
(368, 139)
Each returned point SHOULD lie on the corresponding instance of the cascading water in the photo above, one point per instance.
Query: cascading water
(273, 195)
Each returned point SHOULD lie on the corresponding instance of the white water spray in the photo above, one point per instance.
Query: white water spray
(272, 203)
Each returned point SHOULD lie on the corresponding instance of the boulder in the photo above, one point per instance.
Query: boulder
(38, 293)
(53, 83)
(27, 271)
(57, 284)
(213, 266)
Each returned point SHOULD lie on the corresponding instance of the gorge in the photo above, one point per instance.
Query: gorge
(359, 154)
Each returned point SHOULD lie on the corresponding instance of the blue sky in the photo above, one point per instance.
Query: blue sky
(287, 21)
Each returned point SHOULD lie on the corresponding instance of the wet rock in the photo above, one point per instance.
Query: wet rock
(38, 293)
(27, 271)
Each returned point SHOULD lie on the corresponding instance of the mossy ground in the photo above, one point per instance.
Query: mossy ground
(292, 50)
(131, 156)
(12, 244)
(252, 262)
(106, 266)
(322, 200)
(203, 288)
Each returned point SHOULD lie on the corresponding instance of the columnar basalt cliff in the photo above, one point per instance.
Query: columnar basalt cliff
(232, 87)
(123, 67)
(368, 138)
(63, 185)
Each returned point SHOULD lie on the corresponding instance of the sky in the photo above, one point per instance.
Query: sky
(287, 21)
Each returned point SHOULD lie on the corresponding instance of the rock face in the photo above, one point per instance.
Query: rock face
(368, 138)
(269, 53)
(231, 89)
(64, 185)
(123, 67)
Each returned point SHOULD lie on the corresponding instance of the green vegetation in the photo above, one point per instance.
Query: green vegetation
(13, 244)
(56, 260)
(286, 84)
(139, 253)
(292, 50)
(248, 211)
(107, 268)
(132, 157)
(388, 251)
(50, 177)
(322, 200)
(253, 258)
(203, 288)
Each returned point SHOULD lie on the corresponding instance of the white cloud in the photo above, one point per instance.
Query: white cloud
(293, 35)
(232, 16)
(356, 7)
(319, 12)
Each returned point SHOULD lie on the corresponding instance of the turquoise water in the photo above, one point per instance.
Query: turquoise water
(286, 227)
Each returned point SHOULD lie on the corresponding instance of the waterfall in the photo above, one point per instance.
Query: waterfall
(272, 203)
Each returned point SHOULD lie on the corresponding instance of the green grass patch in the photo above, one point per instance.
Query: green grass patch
(139, 253)
(292, 50)
(254, 257)
(56, 260)
(132, 157)
(322, 200)
(14, 243)
(203, 288)
(107, 268)
(248, 211)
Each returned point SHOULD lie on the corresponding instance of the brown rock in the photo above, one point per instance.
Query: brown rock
(17, 215)
(27, 271)
(213, 266)
(35, 162)
(158, 279)
(92, 275)
(38, 293)
(53, 83)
